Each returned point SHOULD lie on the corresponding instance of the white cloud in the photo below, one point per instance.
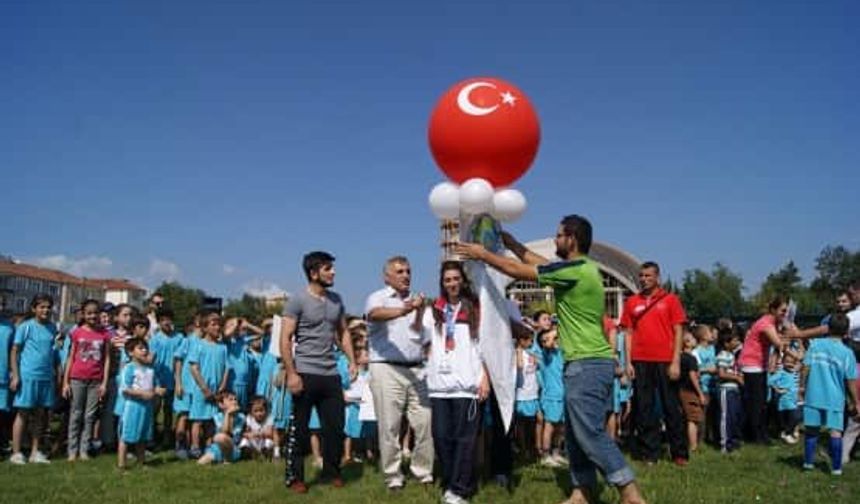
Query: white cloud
(159, 270)
(261, 288)
(92, 266)
(228, 269)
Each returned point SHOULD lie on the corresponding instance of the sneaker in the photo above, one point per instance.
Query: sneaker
(181, 454)
(337, 482)
(39, 458)
(788, 438)
(561, 459)
(681, 461)
(452, 498)
(194, 453)
(836, 472)
(84, 456)
(18, 459)
(550, 461)
(395, 485)
(808, 467)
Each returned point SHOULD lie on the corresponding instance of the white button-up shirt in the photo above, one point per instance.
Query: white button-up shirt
(394, 340)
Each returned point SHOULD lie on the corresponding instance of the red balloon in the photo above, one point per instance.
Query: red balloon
(484, 128)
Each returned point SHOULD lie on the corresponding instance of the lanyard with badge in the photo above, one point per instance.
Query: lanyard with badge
(450, 325)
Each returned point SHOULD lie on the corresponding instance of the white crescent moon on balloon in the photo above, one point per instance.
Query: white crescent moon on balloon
(470, 108)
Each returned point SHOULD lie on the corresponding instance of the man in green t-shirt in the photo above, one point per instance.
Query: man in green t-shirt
(589, 364)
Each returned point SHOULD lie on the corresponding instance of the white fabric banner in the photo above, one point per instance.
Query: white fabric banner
(495, 338)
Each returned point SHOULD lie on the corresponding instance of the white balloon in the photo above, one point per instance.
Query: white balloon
(476, 196)
(509, 205)
(445, 200)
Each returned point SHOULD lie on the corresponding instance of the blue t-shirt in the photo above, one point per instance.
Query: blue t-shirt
(342, 364)
(830, 363)
(181, 354)
(242, 366)
(238, 425)
(211, 357)
(36, 350)
(7, 336)
(726, 361)
(707, 357)
(550, 371)
(164, 347)
(788, 381)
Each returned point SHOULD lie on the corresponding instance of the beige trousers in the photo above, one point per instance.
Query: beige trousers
(399, 390)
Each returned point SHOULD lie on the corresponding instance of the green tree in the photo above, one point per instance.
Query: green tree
(786, 282)
(253, 308)
(837, 268)
(184, 301)
(708, 296)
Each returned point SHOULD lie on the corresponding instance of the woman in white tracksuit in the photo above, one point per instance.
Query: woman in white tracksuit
(457, 380)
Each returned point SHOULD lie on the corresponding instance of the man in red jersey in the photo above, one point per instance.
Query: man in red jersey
(653, 321)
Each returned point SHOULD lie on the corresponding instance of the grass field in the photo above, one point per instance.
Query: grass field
(755, 474)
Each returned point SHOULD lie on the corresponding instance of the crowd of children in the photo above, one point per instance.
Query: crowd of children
(213, 392)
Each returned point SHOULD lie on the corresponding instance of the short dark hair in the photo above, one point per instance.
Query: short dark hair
(313, 261)
(164, 313)
(838, 324)
(536, 315)
(650, 265)
(578, 227)
(133, 343)
(138, 320)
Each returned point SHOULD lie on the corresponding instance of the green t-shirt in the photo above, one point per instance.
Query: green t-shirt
(579, 301)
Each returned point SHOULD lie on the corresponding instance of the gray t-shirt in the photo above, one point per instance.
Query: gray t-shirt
(317, 322)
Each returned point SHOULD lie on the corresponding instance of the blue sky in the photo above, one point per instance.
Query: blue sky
(217, 142)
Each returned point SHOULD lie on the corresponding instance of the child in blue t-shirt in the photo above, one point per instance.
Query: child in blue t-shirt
(229, 427)
(208, 360)
(551, 370)
(242, 368)
(785, 383)
(163, 345)
(7, 337)
(830, 369)
(527, 404)
(183, 387)
(32, 375)
(730, 382)
(139, 387)
(706, 358)
(620, 390)
(270, 384)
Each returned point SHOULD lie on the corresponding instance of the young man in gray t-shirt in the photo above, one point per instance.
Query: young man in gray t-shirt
(313, 323)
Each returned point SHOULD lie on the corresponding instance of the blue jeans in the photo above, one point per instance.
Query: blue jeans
(588, 398)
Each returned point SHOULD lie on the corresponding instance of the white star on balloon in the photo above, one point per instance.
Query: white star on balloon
(508, 98)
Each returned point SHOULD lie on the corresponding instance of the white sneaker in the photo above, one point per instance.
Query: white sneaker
(18, 459)
(561, 459)
(550, 461)
(39, 458)
(452, 498)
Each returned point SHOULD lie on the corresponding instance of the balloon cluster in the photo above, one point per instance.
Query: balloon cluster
(476, 196)
(484, 135)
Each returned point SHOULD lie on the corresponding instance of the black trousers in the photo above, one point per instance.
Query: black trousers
(326, 394)
(455, 424)
(652, 386)
(755, 406)
(502, 461)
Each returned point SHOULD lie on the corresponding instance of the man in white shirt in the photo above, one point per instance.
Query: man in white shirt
(397, 374)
